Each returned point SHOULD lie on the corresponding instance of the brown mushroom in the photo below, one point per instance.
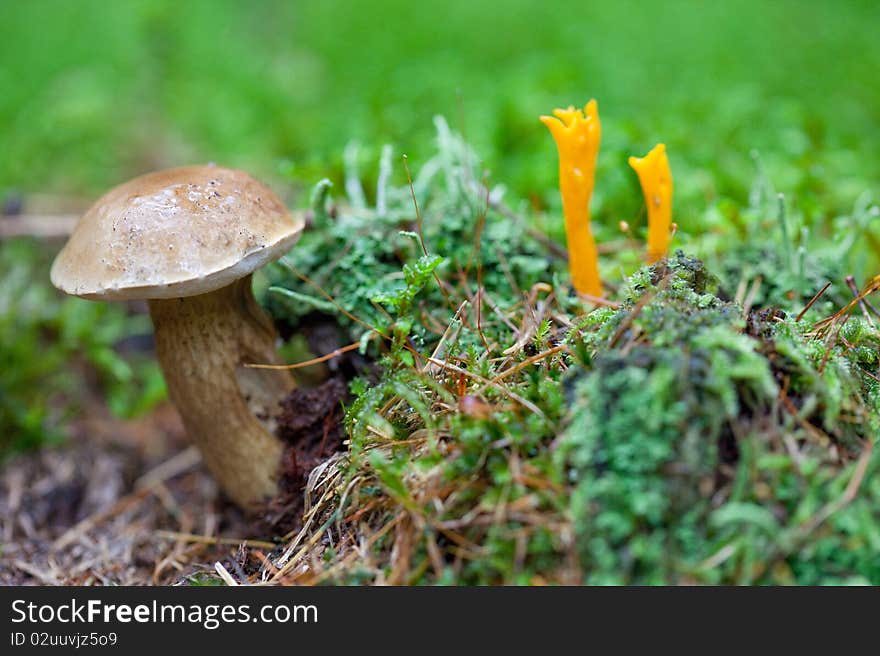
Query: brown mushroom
(188, 240)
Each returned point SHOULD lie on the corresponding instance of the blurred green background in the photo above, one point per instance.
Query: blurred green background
(95, 92)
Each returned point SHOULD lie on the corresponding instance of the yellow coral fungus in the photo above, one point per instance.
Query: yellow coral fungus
(577, 134)
(656, 180)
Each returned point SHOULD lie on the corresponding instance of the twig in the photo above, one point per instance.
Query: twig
(812, 301)
(332, 300)
(851, 283)
(307, 363)
(525, 363)
(803, 423)
(494, 306)
(516, 397)
(175, 465)
(224, 574)
(598, 300)
(358, 552)
(88, 523)
(36, 572)
(207, 539)
(450, 334)
(168, 469)
(628, 320)
(31, 225)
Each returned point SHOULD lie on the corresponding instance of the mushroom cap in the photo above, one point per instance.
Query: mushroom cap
(174, 233)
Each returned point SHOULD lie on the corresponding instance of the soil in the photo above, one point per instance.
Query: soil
(85, 513)
(310, 423)
(129, 502)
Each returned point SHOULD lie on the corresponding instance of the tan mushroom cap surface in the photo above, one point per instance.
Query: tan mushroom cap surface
(174, 233)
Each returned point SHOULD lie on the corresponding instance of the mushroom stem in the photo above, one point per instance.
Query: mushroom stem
(202, 343)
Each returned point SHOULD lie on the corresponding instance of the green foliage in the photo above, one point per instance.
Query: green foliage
(359, 257)
(691, 439)
(782, 262)
(114, 89)
(697, 443)
(205, 579)
(415, 276)
(672, 438)
(49, 344)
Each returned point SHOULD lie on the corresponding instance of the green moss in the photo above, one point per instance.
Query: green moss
(676, 431)
(361, 255)
(673, 437)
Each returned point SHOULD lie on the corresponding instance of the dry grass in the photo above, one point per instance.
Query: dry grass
(118, 505)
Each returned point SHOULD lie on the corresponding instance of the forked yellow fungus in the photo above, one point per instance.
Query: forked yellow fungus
(656, 180)
(577, 134)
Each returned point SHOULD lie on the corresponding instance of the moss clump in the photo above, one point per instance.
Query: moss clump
(688, 410)
(501, 438)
